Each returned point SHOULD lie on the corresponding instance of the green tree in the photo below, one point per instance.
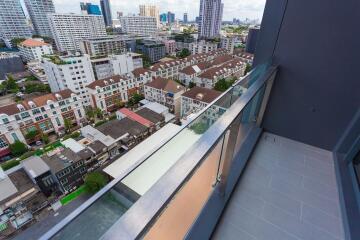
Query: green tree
(222, 85)
(99, 113)
(248, 68)
(11, 85)
(45, 138)
(135, 99)
(89, 112)
(16, 41)
(95, 181)
(37, 87)
(18, 148)
(31, 134)
(192, 84)
(184, 53)
(67, 124)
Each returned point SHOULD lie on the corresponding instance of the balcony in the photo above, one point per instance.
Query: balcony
(267, 185)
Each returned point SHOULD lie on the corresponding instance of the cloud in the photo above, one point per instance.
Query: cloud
(232, 8)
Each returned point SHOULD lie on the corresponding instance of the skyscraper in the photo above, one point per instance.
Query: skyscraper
(185, 17)
(38, 10)
(106, 12)
(12, 21)
(170, 17)
(210, 15)
(150, 11)
(163, 17)
(89, 8)
(69, 29)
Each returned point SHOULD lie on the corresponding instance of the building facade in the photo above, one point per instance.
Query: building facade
(210, 17)
(139, 25)
(70, 72)
(42, 115)
(170, 47)
(228, 43)
(202, 47)
(106, 12)
(89, 8)
(166, 92)
(12, 21)
(34, 49)
(170, 17)
(154, 50)
(185, 20)
(103, 46)
(10, 63)
(38, 11)
(150, 11)
(69, 29)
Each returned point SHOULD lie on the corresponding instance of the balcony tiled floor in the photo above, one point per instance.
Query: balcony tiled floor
(288, 191)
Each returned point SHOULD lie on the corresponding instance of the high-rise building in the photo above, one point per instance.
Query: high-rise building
(210, 17)
(69, 29)
(139, 25)
(38, 11)
(170, 17)
(89, 8)
(252, 39)
(150, 11)
(163, 17)
(72, 72)
(106, 12)
(185, 18)
(12, 21)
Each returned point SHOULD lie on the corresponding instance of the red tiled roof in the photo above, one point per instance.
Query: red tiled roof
(216, 71)
(33, 43)
(136, 117)
(106, 81)
(190, 69)
(166, 85)
(140, 71)
(202, 94)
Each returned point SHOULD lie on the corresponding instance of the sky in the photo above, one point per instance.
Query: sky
(252, 9)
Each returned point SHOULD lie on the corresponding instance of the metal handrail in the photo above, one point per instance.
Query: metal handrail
(243, 100)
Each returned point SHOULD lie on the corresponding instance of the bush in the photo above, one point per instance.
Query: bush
(95, 181)
(26, 155)
(72, 135)
(112, 117)
(9, 164)
(31, 134)
(18, 148)
(99, 123)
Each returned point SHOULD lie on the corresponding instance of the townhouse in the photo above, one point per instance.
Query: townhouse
(34, 49)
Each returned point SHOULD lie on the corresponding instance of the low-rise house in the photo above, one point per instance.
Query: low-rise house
(38, 71)
(43, 114)
(166, 92)
(107, 94)
(208, 79)
(157, 119)
(159, 109)
(244, 56)
(188, 74)
(196, 99)
(34, 49)
(168, 69)
(141, 76)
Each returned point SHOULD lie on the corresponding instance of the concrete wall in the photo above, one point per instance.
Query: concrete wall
(317, 90)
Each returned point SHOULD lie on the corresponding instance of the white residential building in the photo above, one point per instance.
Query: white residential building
(69, 29)
(202, 47)
(210, 17)
(166, 92)
(228, 43)
(12, 21)
(36, 68)
(139, 25)
(188, 74)
(44, 114)
(72, 72)
(38, 11)
(103, 46)
(151, 11)
(197, 98)
(34, 49)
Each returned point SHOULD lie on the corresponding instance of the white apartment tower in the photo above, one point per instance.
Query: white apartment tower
(72, 72)
(12, 21)
(150, 11)
(38, 11)
(139, 25)
(210, 15)
(69, 29)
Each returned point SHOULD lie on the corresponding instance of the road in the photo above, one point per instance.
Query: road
(36, 230)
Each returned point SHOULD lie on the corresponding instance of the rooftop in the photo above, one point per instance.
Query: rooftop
(121, 128)
(202, 94)
(35, 166)
(106, 81)
(61, 159)
(166, 85)
(136, 117)
(33, 43)
(151, 115)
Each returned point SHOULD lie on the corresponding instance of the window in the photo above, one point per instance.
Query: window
(52, 106)
(43, 109)
(35, 111)
(25, 115)
(79, 112)
(3, 143)
(58, 122)
(5, 120)
(17, 117)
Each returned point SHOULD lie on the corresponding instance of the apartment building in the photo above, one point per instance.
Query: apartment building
(188, 74)
(154, 50)
(228, 43)
(38, 11)
(34, 49)
(10, 63)
(202, 47)
(106, 12)
(72, 72)
(107, 94)
(195, 99)
(69, 29)
(139, 25)
(210, 18)
(12, 21)
(37, 70)
(168, 69)
(150, 11)
(166, 92)
(234, 68)
(103, 46)
(44, 114)
(140, 76)
(170, 47)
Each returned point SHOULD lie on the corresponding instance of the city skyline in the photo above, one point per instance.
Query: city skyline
(251, 9)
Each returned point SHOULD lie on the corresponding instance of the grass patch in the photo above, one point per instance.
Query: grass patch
(72, 196)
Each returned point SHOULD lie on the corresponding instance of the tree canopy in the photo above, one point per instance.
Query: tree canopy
(95, 181)
(18, 148)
